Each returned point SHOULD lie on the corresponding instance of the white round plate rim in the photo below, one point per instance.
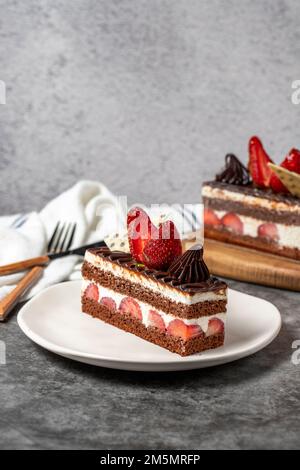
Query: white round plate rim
(216, 356)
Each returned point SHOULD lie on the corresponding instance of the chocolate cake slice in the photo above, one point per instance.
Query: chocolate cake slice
(182, 310)
(238, 212)
(252, 217)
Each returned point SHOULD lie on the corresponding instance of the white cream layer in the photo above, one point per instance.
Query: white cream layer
(159, 288)
(117, 297)
(253, 201)
(289, 235)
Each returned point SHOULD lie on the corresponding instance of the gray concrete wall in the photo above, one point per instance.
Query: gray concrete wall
(146, 95)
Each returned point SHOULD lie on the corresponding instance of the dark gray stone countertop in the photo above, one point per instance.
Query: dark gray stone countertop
(50, 402)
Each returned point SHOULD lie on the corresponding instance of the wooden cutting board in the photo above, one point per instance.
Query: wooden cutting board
(245, 264)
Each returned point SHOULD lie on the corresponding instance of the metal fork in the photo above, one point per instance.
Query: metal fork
(62, 237)
(60, 240)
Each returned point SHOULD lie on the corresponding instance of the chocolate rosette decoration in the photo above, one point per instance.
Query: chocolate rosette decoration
(190, 267)
(234, 172)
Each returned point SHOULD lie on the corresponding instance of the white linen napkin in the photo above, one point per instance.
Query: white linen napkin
(89, 204)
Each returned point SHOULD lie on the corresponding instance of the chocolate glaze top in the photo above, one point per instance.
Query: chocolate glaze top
(234, 172)
(126, 260)
(251, 190)
(190, 267)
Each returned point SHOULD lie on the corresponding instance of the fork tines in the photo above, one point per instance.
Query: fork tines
(62, 237)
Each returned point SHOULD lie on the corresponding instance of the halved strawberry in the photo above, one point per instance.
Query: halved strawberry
(156, 320)
(292, 161)
(140, 231)
(108, 302)
(258, 163)
(130, 306)
(161, 252)
(215, 327)
(92, 292)
(268, 231)
(210, 217)
(233, 223)
(180, 329)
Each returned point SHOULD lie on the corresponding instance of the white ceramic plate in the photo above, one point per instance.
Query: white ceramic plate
(53, 319)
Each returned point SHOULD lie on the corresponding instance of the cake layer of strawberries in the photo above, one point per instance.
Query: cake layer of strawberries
(119, 272)
(150, 317)
(181, 336)
(177, 338)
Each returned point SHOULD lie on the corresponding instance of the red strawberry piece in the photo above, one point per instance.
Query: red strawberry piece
(140, 231)
(180, 329)
(276, 185)
(155, 247)
(215, 327)
(130, 306)
(269, 231)
(161, 252)
(292, 161)
(156, 320)
(193, 330)
(233, 223)
(210, 217)
(167, 231)
(258, 163)
(108, 302)
(92, 292)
